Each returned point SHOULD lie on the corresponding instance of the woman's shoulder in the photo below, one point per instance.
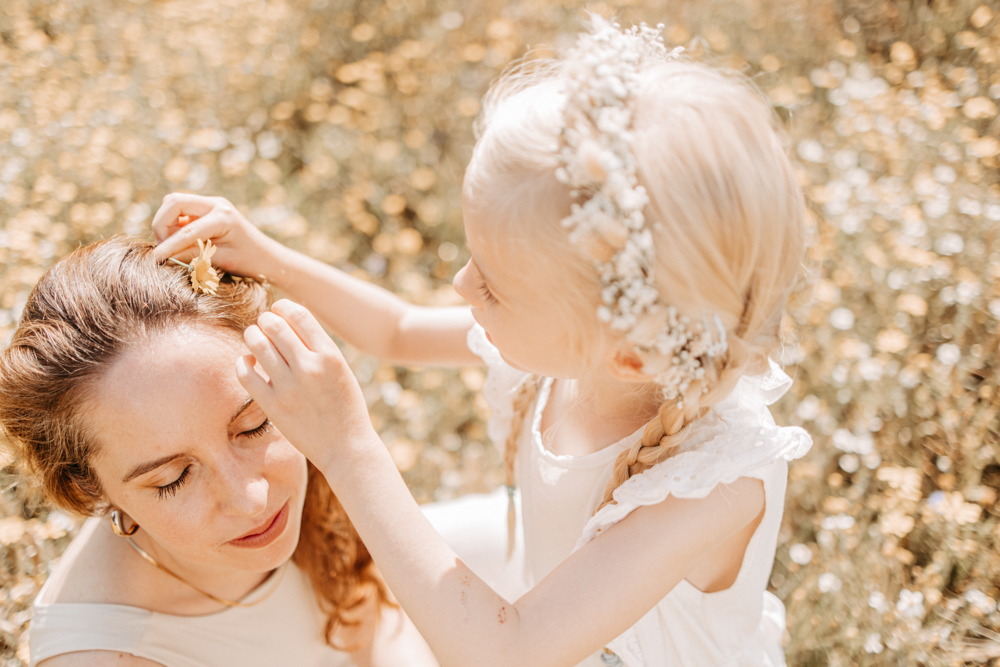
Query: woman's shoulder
(93, 570)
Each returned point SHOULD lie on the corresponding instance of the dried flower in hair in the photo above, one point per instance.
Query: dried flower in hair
(606, 219)
(204, 277)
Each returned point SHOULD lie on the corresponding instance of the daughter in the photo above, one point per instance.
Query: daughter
(635, 228)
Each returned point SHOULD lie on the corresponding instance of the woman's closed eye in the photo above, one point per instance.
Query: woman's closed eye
(171, 488)
(259, 431)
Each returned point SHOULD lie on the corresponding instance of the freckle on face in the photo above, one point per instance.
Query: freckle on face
(176, 393)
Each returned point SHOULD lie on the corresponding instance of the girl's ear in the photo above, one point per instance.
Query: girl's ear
(626, 365)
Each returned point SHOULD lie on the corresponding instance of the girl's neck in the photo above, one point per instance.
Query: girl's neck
(585, 415)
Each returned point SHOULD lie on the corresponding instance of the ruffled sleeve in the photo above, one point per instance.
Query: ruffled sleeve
(736, 437)
(501, 385)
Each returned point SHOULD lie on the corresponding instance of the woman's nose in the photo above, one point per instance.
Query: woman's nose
(243, 493)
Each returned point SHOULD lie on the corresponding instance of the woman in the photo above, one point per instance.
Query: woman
(212, 542)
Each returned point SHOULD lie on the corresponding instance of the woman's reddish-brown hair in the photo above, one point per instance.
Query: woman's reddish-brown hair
(80, 317)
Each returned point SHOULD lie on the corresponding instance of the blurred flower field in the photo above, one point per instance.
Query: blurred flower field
(342, 128)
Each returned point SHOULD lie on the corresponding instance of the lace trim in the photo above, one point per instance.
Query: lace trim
(731, 452)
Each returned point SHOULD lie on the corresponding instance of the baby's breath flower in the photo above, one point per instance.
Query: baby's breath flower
(800, 554)
(873, 644)
(606, 221)
(910, 604)
(829, 583)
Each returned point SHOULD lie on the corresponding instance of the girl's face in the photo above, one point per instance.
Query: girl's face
(186, 454)
(515, 297)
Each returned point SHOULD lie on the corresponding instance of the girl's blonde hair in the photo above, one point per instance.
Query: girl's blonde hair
(726, 213)
(79, 319)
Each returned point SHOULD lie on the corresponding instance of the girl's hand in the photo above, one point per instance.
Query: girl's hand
(242, 248)
(310, 393)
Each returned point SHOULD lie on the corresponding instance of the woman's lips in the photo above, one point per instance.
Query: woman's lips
(266, 533)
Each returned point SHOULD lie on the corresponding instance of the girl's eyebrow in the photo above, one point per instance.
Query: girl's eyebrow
(149, 466)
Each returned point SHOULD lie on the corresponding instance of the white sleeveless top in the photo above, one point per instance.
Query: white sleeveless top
(738, 627)
(285, 629)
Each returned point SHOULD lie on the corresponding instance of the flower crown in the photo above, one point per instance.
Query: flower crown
(602, 73)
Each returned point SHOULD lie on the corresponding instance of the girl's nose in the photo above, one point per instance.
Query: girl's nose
(462, 283)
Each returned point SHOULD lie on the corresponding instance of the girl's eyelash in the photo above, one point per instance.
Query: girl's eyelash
(487, 295)
(259, 431)
(171, 489)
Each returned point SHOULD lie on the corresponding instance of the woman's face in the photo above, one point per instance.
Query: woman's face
(187, 455)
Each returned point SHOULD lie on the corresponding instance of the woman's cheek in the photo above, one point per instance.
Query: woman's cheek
(286, 467)
(186, 522)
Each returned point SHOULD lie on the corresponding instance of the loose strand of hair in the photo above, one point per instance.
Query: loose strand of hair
(523, 400)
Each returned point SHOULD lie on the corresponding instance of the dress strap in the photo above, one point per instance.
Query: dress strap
(67, 628)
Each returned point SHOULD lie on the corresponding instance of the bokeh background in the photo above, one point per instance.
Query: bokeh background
(342, 128)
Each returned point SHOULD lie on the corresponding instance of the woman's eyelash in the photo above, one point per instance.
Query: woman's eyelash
(487, 295)
(171, 489)
(259, 431)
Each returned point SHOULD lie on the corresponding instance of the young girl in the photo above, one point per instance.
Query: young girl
(634, 227)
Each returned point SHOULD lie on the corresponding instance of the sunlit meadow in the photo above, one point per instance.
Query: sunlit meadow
(342, 128)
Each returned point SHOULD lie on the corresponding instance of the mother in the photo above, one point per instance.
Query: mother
(212, 541)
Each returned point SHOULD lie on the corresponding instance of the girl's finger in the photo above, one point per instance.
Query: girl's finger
(179, 204)
(303, 323)
(266, 353)
(283, 337)
(185, 240)
(257, 386)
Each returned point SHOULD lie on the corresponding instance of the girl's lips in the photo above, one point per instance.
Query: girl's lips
(266, 533)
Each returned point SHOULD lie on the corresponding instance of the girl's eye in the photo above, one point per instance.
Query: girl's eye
(487, 295)
(259, 431)
(171, 489)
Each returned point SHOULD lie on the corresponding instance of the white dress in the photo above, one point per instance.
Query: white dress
(738, 627)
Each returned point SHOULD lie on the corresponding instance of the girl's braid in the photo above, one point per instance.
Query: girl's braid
(523, 400)
(670, 427)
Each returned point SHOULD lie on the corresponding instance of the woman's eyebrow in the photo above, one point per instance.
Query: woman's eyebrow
(148, 466)
(143, 468)
(246, 404)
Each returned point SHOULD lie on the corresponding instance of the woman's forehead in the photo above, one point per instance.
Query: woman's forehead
(166, 387)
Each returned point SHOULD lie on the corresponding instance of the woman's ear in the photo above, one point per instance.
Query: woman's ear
(627, 365)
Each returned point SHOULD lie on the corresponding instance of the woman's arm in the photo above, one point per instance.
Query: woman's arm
(368, 317)
(588, 600)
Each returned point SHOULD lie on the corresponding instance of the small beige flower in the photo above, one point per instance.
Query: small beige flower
(204, 277)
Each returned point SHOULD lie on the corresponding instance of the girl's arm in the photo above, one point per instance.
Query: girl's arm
(368, 317)
(396, 642)
(588, 600)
